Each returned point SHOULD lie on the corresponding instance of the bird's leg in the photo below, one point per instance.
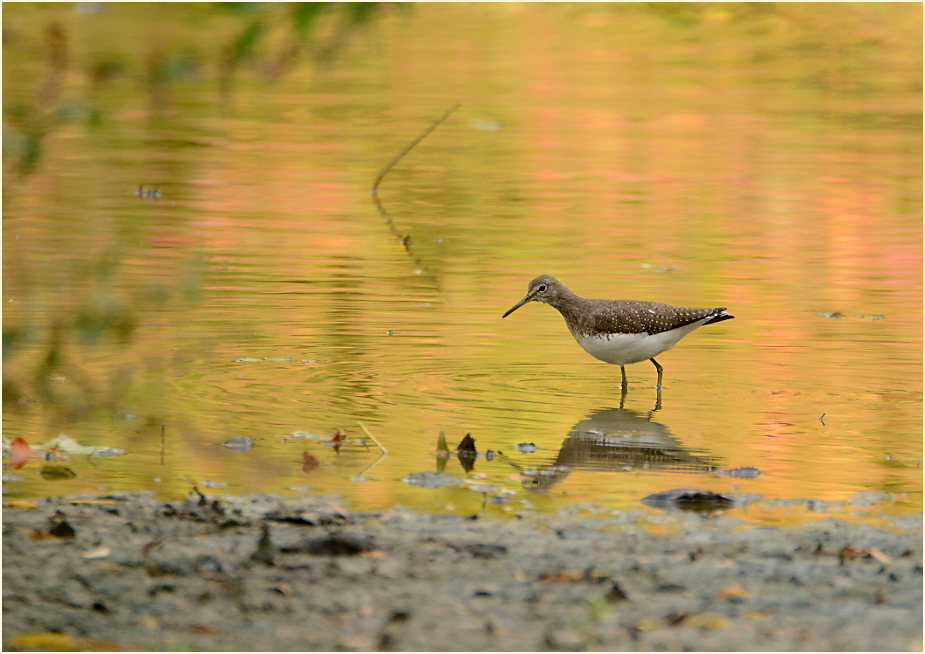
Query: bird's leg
(623, 374)
(622, 395)
(659, 368)
(658, 401)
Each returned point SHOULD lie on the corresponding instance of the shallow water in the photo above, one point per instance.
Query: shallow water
(767, 160)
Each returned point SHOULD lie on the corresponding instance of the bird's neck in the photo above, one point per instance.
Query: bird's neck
(571, 306)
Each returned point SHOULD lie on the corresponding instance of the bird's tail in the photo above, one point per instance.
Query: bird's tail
(719, 315)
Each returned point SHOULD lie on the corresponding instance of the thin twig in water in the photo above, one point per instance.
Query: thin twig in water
(374, 191)
(405, 239)
(361, 476)
(371, 437)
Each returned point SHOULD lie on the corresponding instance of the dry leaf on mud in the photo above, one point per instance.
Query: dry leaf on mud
(733, 593)
(55, 641)
(20, 504)
(100, 552)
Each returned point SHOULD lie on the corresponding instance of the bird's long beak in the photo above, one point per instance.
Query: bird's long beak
(517, 306)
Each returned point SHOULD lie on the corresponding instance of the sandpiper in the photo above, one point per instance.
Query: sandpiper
(620, 331)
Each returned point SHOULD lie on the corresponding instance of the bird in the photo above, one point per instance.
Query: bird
(620, 331)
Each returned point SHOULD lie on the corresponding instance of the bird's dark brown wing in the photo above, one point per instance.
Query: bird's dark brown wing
(634, 316)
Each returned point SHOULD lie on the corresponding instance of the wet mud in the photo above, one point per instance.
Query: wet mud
(263, 573)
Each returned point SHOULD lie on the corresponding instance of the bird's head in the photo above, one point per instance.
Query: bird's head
(544, 288)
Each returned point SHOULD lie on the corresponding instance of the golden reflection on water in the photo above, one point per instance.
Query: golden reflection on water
(765, 159)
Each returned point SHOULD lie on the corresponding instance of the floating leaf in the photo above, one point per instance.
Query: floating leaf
(466, 453)
(441, 442)
(20, 452)
(467, 445)
(337, 440)
(64, 444)
(67, 445)
(57, 473)
(443, 452)
(309, 462)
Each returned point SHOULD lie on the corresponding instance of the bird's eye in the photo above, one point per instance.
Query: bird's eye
(542, 288)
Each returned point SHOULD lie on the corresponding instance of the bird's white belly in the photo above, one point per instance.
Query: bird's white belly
(632, 348)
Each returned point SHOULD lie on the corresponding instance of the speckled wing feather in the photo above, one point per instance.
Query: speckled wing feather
(634, 316)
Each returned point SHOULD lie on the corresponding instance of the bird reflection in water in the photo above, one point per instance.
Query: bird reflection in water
(616, 440)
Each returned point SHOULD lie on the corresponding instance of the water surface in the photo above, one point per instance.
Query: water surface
(190, 249)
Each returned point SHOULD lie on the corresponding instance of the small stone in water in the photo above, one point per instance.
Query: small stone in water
(240, 443)
(747, 472)
(109, 451)
(688, 500)
(430, 479)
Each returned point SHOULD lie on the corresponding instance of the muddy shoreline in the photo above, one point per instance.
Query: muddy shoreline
(263, 573)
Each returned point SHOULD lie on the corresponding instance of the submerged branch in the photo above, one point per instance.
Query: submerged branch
(405, 239)
(374, 191)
